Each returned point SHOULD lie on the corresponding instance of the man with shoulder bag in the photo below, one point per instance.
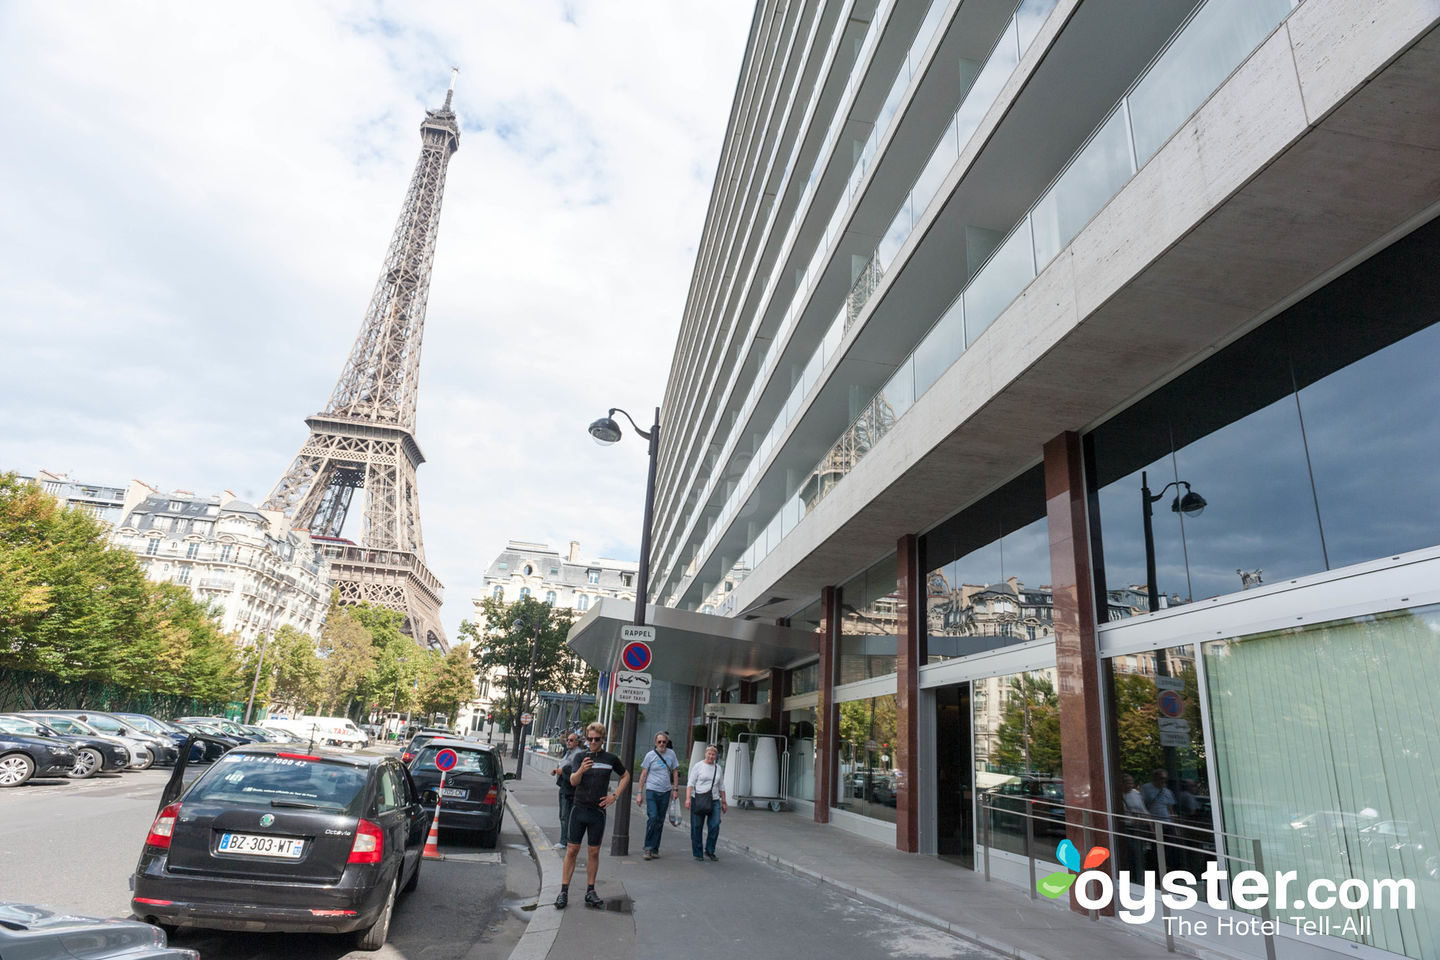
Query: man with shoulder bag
(705, 799)
(660, 775)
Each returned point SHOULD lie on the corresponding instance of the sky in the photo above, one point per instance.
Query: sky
(195, 200)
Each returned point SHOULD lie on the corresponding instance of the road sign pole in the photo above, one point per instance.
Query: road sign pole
(620, 842)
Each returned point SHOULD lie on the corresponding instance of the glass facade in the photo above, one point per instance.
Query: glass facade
(988, 583)
(869, 613)
(1314, 447)
(867, 782)
(1327, 751)
(1017, 758)
(1158, 746)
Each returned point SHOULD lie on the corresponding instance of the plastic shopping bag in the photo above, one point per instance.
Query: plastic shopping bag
(674, 815)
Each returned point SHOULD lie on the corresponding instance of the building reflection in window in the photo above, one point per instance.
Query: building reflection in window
(1017, 759)
(869, 614)
(989, 571)
(1308, 438)
(868, 782)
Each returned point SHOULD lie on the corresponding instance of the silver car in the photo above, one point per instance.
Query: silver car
(28, 932)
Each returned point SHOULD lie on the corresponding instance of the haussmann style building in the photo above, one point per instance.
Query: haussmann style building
(1055, 403)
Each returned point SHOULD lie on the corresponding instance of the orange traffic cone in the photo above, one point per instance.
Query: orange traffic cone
(432, 842)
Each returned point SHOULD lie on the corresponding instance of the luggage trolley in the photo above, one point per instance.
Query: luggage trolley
(775, 802)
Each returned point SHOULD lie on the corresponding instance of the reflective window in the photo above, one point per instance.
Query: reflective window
(582, 602)
(1307, 445)
(989, 573)
(1159, 756)
(869, 613)
(1325, 746)
(868, 783)
(1017, 760)
(804, 679)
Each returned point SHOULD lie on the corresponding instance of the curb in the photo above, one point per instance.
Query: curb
(920, 916)
(543, 925)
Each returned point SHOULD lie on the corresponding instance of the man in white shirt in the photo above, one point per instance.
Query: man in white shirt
(660, 774)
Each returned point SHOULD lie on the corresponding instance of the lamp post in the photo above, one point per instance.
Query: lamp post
(255, 684)
(1191, 504)
(606, 431)
(525, 700)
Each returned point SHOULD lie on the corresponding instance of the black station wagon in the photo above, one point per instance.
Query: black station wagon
(273, 839)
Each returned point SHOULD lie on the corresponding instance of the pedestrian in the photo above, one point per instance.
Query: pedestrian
(589, 772)
(705, 799)
(1134, 823)
(1160, 804)
(562, 780)
(660, 775)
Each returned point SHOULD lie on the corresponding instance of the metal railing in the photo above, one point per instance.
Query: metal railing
(1168, 838)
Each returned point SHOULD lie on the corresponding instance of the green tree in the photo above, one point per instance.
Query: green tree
(69, 606)
(348, 657)
(393, 679)
(512, 632)
(291, 672)
(209, 664)
(449, 682)
(1028, 737)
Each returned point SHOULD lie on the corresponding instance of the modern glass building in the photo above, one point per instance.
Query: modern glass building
(1067, 373)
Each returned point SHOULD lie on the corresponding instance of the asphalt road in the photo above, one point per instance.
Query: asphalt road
(72, 845)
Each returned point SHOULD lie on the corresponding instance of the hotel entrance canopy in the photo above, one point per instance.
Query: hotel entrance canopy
(698, 649)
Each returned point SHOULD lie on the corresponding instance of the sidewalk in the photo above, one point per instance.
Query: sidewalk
(925, 889)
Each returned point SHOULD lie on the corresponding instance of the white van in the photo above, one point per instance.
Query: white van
(332, 731)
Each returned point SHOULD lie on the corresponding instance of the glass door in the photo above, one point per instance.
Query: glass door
(954, 776)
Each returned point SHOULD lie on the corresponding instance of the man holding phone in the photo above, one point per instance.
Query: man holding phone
(589, 773)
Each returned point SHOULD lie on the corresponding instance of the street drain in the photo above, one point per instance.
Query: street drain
(619, 905)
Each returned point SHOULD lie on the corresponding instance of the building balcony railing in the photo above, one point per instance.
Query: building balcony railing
(1217, 38)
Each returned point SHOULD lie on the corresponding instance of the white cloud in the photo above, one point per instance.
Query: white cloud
(196, 200)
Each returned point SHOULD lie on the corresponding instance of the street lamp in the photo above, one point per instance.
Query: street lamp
(255, 684)
(524, 701)
(606, 431)
(1191, 504)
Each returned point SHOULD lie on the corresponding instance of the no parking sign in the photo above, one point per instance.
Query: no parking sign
(446, 760)
(635, 655)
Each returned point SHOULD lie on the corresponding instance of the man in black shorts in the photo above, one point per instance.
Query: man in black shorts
(589, 772)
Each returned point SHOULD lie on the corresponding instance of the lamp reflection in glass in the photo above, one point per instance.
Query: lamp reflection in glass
(1191, 504)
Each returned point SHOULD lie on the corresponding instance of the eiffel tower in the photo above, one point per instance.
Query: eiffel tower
(365, 438)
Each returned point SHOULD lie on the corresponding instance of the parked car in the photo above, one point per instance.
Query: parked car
(417, 741)
(272, 839)
(28, 932)
(474, 794)
(23, 757)
(227, 728)
(140, 756)
(159, 728)
(163, 749)
(215, 744)
(92, 754)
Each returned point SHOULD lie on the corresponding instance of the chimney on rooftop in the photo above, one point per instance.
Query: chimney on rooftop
(574, 551)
